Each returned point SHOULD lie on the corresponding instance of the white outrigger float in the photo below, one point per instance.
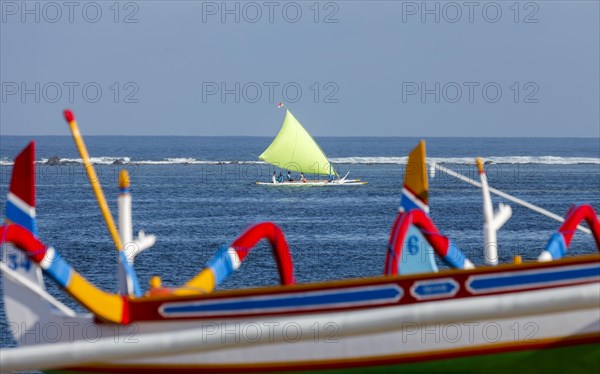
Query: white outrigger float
(539, 316)
(295, 149)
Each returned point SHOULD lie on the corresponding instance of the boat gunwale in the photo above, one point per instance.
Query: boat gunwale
(375, 280)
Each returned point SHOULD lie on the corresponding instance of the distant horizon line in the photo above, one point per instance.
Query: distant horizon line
(320, 136)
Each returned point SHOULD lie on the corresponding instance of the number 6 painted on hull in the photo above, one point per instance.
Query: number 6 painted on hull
(449, 252)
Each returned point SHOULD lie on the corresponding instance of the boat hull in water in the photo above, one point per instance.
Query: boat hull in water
(351, 182)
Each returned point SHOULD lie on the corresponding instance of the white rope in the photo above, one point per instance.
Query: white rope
(535, 208)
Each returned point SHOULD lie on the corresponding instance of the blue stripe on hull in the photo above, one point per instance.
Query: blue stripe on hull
(19, 217)
(534, 278)
(557, 246)
(407, 203)
(328, 299)
(130, 273)
(221, 265)
(59, 270)
(455, 256)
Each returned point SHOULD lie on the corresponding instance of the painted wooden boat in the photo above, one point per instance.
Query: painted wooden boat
(532, 316)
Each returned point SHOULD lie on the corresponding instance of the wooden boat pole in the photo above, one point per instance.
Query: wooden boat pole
(94, 181)
(516, 200)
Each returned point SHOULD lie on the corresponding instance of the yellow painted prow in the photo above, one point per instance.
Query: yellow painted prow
(123, 179)
(415, 177)
(479, 165)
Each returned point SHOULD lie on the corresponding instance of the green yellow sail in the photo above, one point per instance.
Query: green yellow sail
(294, 149)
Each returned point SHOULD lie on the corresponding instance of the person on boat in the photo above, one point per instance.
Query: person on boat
(289, 176)
(274, 179)
(302, 179)
(280, 178)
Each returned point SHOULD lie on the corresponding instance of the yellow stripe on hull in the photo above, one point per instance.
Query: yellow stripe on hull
(203, 282)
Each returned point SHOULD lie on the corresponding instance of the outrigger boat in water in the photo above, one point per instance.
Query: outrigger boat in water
(294, 149)
(538, 316)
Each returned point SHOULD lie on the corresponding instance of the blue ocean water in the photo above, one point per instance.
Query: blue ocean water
(198, 193)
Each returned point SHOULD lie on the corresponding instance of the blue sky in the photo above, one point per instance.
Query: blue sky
(345, 68)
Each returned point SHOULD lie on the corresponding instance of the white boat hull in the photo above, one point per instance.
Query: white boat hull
(563, 312)
(350, 182)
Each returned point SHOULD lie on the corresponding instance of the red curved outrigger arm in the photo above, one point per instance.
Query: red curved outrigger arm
(559, 242)
(270, 231)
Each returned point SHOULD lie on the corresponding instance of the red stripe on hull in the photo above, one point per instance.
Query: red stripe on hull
(22, 183)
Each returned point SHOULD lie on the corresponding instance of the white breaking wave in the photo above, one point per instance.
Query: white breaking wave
(191, 161)
(168, 161)
(105, 160)
(544, 160)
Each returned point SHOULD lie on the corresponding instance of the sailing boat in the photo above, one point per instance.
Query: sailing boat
(293, 149)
